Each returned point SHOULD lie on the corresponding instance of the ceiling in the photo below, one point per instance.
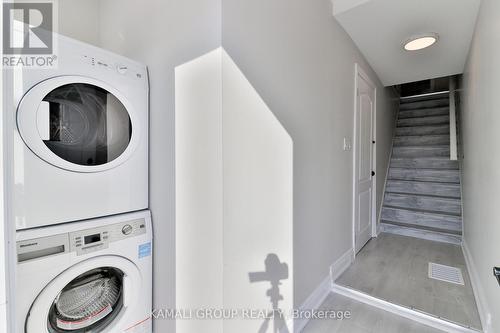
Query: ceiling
(380, 27)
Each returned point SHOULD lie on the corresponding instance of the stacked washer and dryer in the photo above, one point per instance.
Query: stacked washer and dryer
(84, 234)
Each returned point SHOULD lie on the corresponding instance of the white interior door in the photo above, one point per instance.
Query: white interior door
(363, 208)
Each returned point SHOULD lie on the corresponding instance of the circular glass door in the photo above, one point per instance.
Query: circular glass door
(88, 303)
(84, 124)
(81, 124)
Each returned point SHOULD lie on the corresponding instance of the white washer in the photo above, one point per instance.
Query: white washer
(81, 144)
(92, 276)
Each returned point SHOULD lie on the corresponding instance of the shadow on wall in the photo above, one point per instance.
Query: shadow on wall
(275, 272)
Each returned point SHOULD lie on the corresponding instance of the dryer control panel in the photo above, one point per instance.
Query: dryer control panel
(81, 241)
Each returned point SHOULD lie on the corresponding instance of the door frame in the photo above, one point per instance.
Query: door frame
(359, 72)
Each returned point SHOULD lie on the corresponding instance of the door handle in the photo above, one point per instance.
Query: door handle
(373, 173)
(496, 273)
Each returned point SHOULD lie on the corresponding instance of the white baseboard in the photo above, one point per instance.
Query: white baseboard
(313, 302)
(322, 291)
(414, 315)
(483, 308)
(341, 265)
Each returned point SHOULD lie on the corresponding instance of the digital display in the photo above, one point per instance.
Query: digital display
(92, 239)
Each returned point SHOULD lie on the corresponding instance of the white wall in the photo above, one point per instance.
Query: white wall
(480, 123)
(199, 190)
(234, 205)
(302, 64)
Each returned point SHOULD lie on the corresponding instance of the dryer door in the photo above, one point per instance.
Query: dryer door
(77, 123)
(92, 296)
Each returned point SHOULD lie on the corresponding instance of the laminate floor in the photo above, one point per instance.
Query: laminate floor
(395, 268)
(364, 319)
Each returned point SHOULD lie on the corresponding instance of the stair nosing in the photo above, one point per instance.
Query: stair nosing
(430, 95)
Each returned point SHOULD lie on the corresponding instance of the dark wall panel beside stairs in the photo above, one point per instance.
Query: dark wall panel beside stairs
(422, 196)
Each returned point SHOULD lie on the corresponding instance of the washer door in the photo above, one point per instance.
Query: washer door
(78, 124)
(92, 296)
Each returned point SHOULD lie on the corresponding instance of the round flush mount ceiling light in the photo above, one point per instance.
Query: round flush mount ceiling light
(420, 42)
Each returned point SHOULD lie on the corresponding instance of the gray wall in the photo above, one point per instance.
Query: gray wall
(480, 123)
(161, 34)
(79, 19)
(302, 64)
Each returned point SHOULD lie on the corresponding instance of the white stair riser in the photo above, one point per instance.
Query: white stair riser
(424, 113)
(430, 151)
(445, 176)
(425, 203)
(419, 233)
(423, 130)
(422, 140)
(424, 163)
(424, 121)
(425, 104)
(433, 220)
(437, 189)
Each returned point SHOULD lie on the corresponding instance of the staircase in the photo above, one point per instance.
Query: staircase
(422, 195)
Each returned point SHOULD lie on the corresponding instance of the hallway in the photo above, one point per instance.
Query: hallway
(396, 269)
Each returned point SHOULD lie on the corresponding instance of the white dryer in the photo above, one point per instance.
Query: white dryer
(81, 140)
(92, 276)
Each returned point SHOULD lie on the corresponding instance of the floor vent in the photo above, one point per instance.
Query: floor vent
(446, 273)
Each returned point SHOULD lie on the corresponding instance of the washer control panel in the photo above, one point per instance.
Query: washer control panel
(96, 239)
(81, 242)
